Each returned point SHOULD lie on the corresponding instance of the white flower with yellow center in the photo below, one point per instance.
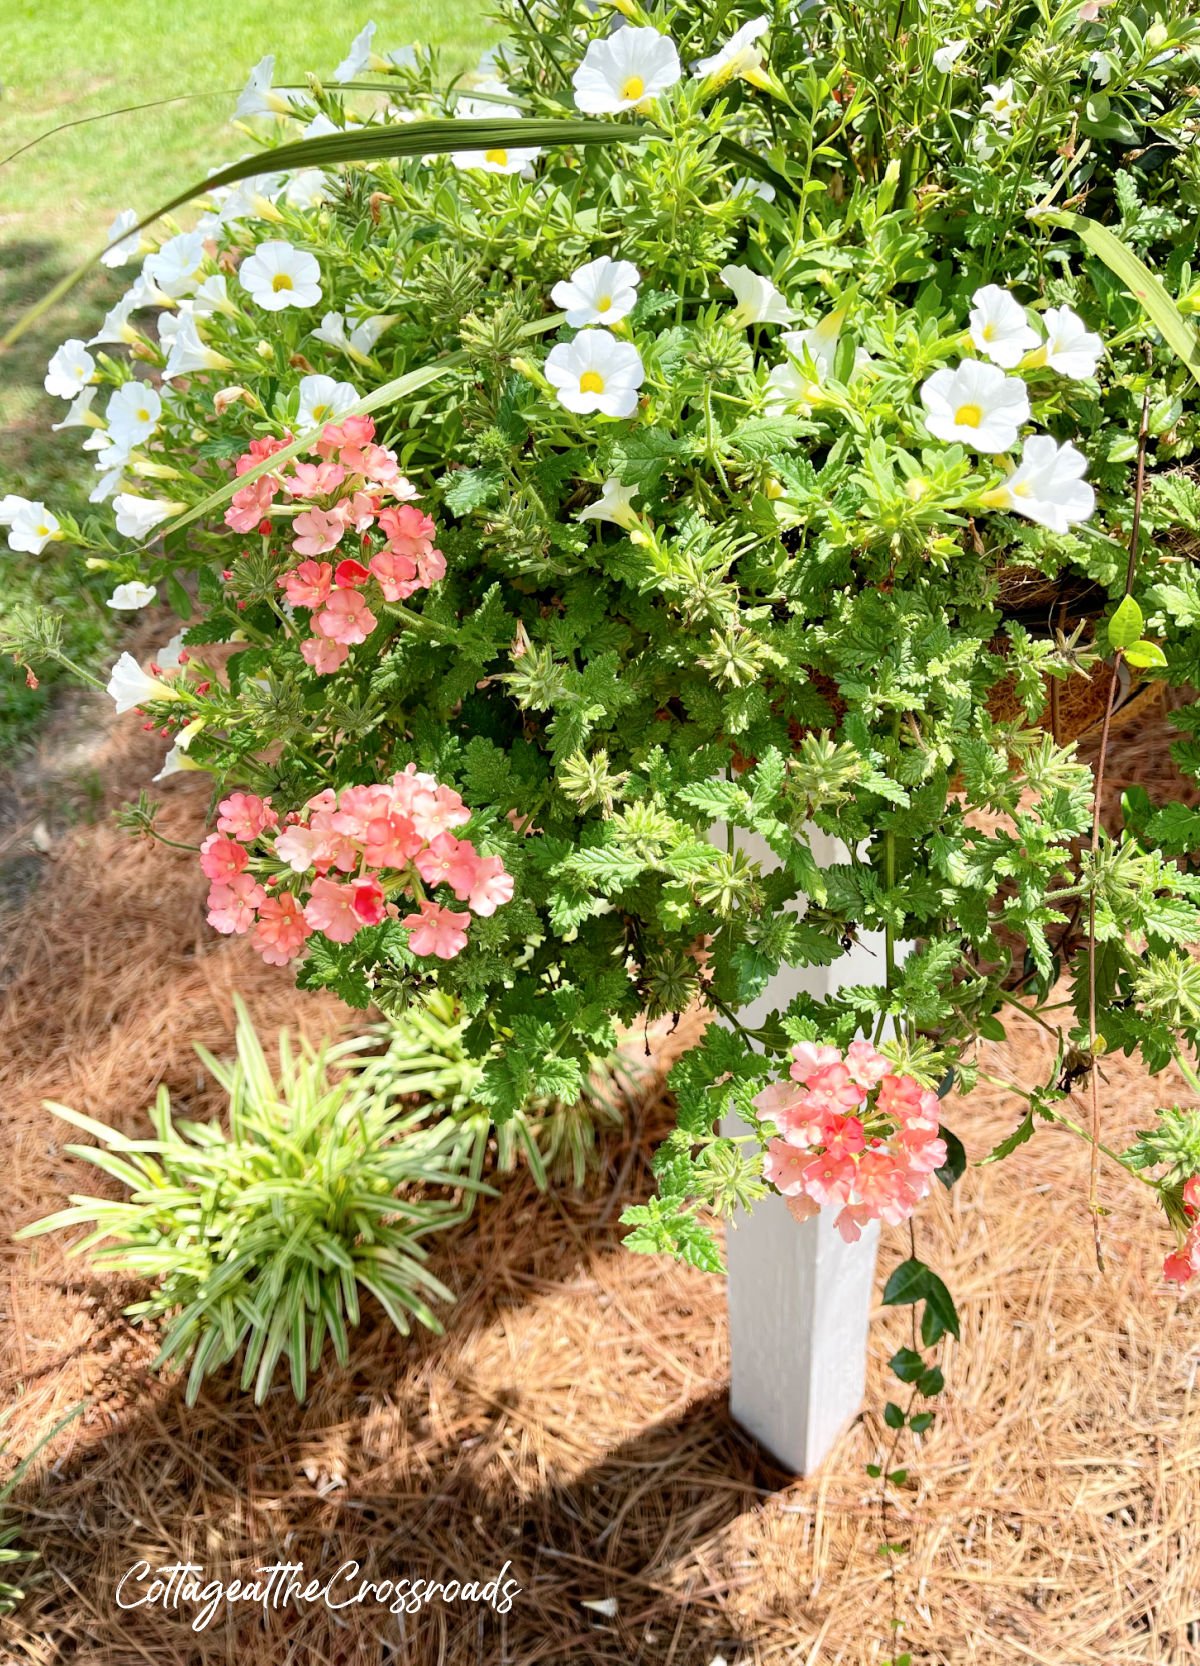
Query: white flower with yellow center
(79, 413)
(602, 292)
(999, 327)
(30, 525)
(738, 57)
(596, 372)
(259, 98)
(498, 159)
(945, 58)
(278, 276)
(624, 70)
(1001, 104)
(792, 383)
(138, 516)
(977, 404)
(614, 504)
(130, 686)
(1071, 348)
(1047, 486)
(133, 414)
(70, 370)
(124, 239)
(357, 340)
(189, 353)
(324, 400)
(175, 268)
(759, 302)
(127, 598)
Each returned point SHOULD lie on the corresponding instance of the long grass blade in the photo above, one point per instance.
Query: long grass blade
(366, 144)
(1180, 334)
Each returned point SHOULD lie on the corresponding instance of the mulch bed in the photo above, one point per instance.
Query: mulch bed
(573, 1419)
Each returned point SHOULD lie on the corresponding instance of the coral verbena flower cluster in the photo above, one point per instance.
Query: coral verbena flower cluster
(1183, 1264)
(353, 490)
(853, 1135)
(345, 861)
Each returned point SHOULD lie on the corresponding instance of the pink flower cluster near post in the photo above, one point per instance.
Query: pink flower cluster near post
(852, 1136)
(345, 861)
(354, 493)
(1182, 1265)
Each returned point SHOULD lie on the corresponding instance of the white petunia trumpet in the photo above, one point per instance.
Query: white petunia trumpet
(1047, 486)
(596, 372)
(976, 405)
(601, 292)
(624, 70)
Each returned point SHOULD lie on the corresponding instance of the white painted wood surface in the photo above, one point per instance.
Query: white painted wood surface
(799, 1297)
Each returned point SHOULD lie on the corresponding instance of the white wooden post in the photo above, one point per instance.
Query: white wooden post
(799, 1297)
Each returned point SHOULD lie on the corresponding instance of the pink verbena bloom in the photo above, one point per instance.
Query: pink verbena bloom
(449, 861)
(313, 479)
(349, 574)
(1182, 1265)
(396, 575)
(437, 931)
(317, 531)
(866, 1066)
(245, 816)
(351, 434)
(383, 467)
(829, 1179)
(330, 910)
(222, 859)
(324, 656)
(345, 618)
(367, 899)
(297, 847)
(851, 1220)
(392, 841)
(309, 584)
(282, 930)
(832, 1088)
(250, 503)
(811, 1056)
(900, 1096)
(882, 1186)
(231, 906)
(843, 1136)
(491, 889)
(358, 511)
(784, 1167)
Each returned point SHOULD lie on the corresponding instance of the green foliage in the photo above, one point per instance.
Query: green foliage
(261, 1237)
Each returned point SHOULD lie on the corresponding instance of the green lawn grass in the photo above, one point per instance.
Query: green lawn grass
(71, 59)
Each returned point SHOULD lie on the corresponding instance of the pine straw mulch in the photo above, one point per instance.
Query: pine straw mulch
(573, 1420)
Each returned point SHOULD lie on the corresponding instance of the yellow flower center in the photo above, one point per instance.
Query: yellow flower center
(282, 280)
(633, 87)
(43, 532)
(498, 157)
(603, 303)
(1020, 490)
(320, 412)
(143, 415)
(989, 332)
(591, 382)
(969, 416)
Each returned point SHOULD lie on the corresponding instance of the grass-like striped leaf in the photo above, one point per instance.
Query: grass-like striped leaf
(367, 144)
(1178, 331)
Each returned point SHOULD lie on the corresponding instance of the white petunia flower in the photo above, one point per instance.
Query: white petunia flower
(601, 292)
(759, 302)
(615, 504)
(324, 400)
(981, 143)
(10, 506)
(124, 228)
(213, 296)
(306, 188)
(169, 656)
(359, 56)
(131, 687)
(133, 413)
(70, 370)
(945, 58)
(1047, 487)
(976, 404)
(277, 275)
(358, 340)
(31, 526)
(790, 384)
(172, 764)
(116, 328)
(1071, 348)
(175, 268)
(999, 327)
(1001, 102)
(624, 70)
(738, 56)
(138, 516)
(320, 127)
(127, 598)
(79, 413)
(259, 98)
(499, 159)
(189, 353)
(596, 372)
(110, 481)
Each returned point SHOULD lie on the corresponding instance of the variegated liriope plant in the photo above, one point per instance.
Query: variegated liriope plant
(767, 416)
